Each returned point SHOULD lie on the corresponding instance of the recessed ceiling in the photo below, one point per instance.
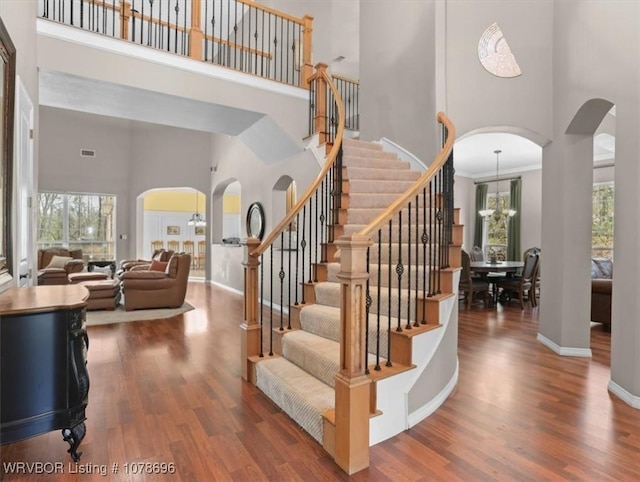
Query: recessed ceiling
(473, 156)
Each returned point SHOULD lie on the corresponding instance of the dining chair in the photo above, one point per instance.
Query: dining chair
(156, 245)
(470, 285)
(202, 248)
(523, 284)
(173, 245)
(188, 247)
(476, 254)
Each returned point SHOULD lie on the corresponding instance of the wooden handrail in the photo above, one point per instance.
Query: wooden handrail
(346, 79)
(410, 194)
(330, 160)
(273, 11)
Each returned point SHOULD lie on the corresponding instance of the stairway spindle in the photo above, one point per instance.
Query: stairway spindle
(281, 275)
(389, 298)
(408, 325)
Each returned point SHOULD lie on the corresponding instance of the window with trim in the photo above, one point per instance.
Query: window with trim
(78, 221)
(602, 214)
(496, 232)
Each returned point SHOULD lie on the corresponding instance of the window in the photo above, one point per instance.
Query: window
(602, 221)
(78, 221)
(496, 231)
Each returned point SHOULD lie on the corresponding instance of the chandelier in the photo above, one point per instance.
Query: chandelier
(497, 213)
(197, 219)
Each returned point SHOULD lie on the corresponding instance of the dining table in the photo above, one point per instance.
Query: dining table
(483, 268)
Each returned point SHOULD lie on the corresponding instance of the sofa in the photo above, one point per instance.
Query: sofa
(159, 286)
(56, 264)
(601, 282)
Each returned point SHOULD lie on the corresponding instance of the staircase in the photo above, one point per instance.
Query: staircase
(300, 376)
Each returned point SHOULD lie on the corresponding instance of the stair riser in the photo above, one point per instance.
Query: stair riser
(348, 142)
(404, 281)
(350, 152)
(395, 233)
(364, 215)
(372, 174)
(360, 186)
(377, 200)
(329, 294)
(374, 163)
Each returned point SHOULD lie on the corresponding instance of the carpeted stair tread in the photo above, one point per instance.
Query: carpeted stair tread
(375, 163)
(315, 354)
(364, 215)
(395, 232)
(378, 186)
(324, 321)
(353, 151)
(373, 174)
(299, 394)
(328, 293)
(334, 268)
(375, 146)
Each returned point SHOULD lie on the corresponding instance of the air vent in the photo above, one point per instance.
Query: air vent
(87, 153)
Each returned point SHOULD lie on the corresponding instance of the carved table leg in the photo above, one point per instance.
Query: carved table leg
(73, 436)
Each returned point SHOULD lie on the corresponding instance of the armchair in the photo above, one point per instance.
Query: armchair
(56, 264)
(157, 289)
(158, 255)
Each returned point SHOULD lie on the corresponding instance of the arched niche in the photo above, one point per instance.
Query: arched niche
(226, 208)
(283, 198)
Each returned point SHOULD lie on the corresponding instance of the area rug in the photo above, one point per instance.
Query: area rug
(119, 315)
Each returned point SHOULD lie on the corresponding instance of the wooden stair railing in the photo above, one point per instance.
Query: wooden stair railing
(434, 236)
(238, 34)
(303, 236)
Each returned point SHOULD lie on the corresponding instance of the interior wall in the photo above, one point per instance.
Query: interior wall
(62, 135)
(477, 98)
(397, 65)
(465, 198)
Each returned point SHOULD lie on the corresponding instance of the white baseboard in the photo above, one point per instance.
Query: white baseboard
(563, 350)
(427, 409)
(624, 395)
(225, 287)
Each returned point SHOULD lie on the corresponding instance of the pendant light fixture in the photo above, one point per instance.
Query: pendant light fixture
(497, 213)
(197, 219)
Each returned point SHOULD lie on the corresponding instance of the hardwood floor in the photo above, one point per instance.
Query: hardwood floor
(169, 391)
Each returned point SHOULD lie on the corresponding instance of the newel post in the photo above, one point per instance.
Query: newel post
(250, 329)
(307, 46)
(195, 32)
(352, 386)
(320, 122)
(125, 15)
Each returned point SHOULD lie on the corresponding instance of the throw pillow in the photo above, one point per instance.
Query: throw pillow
(158, 266)
(58, 261)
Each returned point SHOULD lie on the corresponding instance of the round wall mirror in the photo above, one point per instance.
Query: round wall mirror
(255, 221)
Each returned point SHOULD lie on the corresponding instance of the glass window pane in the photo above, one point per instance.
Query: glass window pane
(50, 219)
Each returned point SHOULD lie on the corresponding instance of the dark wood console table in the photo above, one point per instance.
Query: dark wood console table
(43, 355)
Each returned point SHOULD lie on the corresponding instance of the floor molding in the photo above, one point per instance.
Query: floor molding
(624, 395)
(563, 350)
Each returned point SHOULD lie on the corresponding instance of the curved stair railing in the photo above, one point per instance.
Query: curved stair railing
(280, 270)
(420, 224)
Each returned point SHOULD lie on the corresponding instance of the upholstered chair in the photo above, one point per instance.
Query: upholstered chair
(470, 285)
(157, 288)
(158, 255)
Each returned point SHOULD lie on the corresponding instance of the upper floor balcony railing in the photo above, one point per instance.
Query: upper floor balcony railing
(237, 34)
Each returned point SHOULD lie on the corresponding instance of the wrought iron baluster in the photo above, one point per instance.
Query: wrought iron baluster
(417, 263)
(297, 253)
(271, 302)
(399, 272)
(310, 239)
(389, 299)
(378, 301)
(408, 325)
(289, 279)
(303, 244)
(425, 263)
(315, 272)
(260, 304)
(281, 275)
(366, 324)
